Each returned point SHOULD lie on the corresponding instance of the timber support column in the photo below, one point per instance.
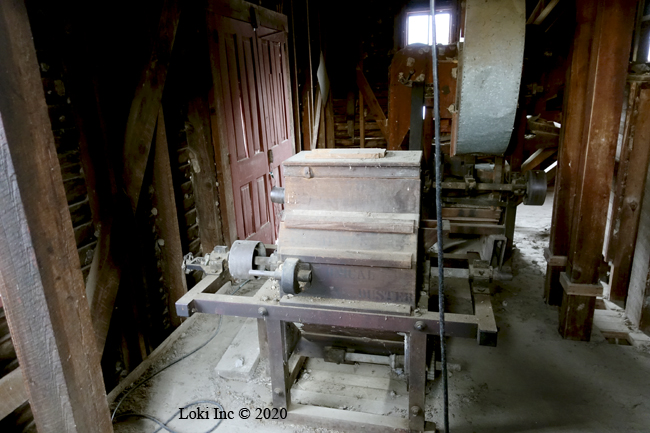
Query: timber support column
(608, 64)
(570, 149)
(41, 283)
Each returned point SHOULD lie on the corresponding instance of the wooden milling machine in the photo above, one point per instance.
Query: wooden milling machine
(353, 275)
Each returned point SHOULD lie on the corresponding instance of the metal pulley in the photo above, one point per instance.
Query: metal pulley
(242, 258)
(290, 274)
(277, 195)
(535, 187)
(293, 275)
(248, 259)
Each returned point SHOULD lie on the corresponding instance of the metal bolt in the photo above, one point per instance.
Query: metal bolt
(420, 325)
(633, 205)
(278, 391)
(263, 311)
(415, 410)
(480, 289)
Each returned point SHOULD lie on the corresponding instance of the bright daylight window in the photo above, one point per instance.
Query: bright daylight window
(418, 29)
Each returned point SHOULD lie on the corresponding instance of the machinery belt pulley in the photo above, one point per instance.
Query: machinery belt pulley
(248, 259)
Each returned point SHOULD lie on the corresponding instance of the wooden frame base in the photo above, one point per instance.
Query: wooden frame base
(577, 309)
(555, 265)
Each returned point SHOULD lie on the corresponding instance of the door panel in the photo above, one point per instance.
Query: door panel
(274, 64)
(255, 114)
(238, 72)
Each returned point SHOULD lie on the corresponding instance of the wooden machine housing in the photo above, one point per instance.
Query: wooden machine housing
(354, 216)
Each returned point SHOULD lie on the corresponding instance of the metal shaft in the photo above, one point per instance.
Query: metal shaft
(438, 171)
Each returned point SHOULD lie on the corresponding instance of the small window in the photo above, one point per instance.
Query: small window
(419, 29)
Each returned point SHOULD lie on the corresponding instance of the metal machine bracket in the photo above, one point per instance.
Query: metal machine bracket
(215, 262)
(480, 276)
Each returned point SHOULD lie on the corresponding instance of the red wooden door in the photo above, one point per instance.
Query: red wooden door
(254, 91)
(274, 64)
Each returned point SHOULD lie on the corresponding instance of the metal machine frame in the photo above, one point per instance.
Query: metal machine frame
(287, 350)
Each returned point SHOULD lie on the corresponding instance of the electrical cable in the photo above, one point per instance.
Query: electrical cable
(441, 274)
(151, 418)
(240, 286)
(201, 346)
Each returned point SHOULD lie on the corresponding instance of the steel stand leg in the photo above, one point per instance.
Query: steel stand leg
(261, 336)
(276, 340)
(417, 364)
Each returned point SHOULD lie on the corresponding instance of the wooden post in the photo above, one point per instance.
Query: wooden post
(349, 113)
(427, 136)
(322, 128)
(362, 122)
(307, 124)
(330, 135)
(12, 391)
(635, 154)
(371, 100)
(165, 202)
(204, 176)
(637, 307)
(40, 275)
(308, 90)
(294, 75)
(610, 53)
(570, 148)
(220, 137)
(316, 130)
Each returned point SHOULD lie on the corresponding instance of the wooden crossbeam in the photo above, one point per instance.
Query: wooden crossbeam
(105, 274)
(541, 11)
(537, 158)
(40, 276)
(167, 219)
(371, 101)
(12, 392)
(551, 171)
(141, 123)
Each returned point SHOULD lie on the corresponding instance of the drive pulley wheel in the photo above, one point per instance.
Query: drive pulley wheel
(242, 258)
(289, 281)
(535, 188)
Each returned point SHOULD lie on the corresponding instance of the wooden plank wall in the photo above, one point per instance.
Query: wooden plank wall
(130, 231)
(638, 290)
(628, 192)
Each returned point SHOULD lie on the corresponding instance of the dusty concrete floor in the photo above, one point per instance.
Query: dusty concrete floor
(533, 380)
